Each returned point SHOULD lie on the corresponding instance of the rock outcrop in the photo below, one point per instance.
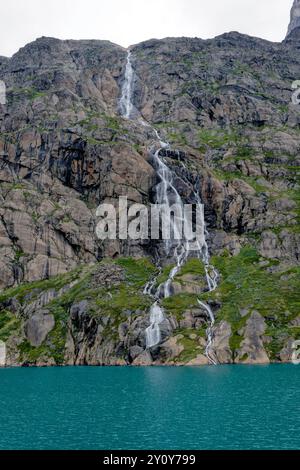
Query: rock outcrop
(295, 17)
(38, 327)
(252, 349)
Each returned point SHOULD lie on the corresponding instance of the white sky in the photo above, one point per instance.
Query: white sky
(127, 22)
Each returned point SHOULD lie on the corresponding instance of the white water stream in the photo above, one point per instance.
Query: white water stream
(126, 105)
(178, 248)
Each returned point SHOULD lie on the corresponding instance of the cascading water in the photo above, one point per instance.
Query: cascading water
(126, 105)
(167, 195)
(178, 247)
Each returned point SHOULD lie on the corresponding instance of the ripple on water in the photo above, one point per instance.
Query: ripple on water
(222, 407)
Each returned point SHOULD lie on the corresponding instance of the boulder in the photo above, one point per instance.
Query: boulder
(199, 360)
(144, 359)
(38, 327)
(252, 348)
(220, 345)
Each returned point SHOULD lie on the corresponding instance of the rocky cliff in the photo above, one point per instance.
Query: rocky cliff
(225, 105)
(295, 17)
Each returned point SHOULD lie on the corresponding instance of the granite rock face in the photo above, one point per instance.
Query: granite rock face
(38, 327)
(226, 107)
(295, 17)
(252, 348)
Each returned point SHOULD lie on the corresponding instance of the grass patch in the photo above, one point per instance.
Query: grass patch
(138, 271)
(178, 304)
(191, 344)
(230, 176)
(176, 138)
(193, 266)
(164, 275)
(245, 284)
(215, 139)
(9, 324)
(31, 355)
(34, 288)
(120, 300)
(30, 93)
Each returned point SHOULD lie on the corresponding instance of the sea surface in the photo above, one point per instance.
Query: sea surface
(221, 407)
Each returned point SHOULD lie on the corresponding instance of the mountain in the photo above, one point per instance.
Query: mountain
(225, 105)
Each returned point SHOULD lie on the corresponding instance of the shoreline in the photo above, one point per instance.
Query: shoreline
(64, 366)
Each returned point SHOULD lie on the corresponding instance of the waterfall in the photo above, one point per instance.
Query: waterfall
(153, 334)
(178, 247)
(167, 194)
(126, 105)
(209, 332)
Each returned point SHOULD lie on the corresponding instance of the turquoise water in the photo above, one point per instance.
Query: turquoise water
(223, 407)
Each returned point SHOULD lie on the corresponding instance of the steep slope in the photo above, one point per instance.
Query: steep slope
(225, 105)
(295, 17)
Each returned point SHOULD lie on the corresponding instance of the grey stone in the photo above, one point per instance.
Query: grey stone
(220, 345)
(252, 348)
(295, 17)
(38, 327)
(79, 309)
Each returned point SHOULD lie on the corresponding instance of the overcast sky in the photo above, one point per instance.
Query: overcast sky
(127, 22)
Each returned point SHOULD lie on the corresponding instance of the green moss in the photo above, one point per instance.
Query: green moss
(276, 345)
(112, 122)
(29, 93)
(175, 137)
(138, 148)
(96, 121)
(178, 304)
(231, 176)
(235, 339)
(246, 284)
(9, 324)
(138, 271)
(56, 340)
(215, 139)
(18, 255)
(198, 85)
(120, 300)
(30, 354)
(244, 357)
(193, 266)
(295, 196)
(164, 275)
(34, 288)
(115, 303)
(16, 186)
(93, 141)
(54, 345)
(244, 152)
(190, 342)
(80, 291)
